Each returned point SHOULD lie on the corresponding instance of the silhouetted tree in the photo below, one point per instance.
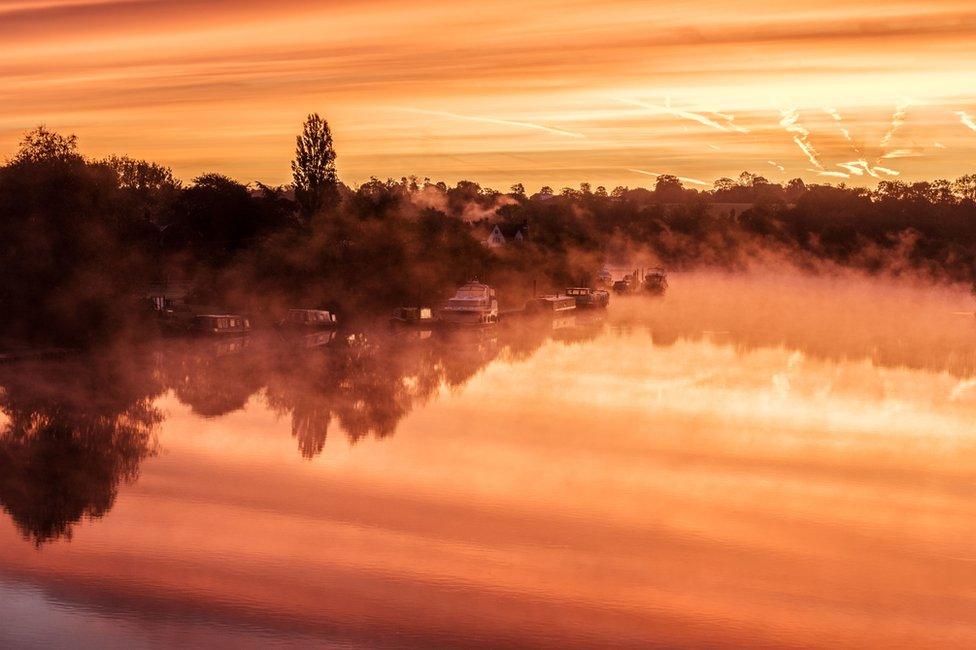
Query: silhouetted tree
(313, 170)
(43, 146)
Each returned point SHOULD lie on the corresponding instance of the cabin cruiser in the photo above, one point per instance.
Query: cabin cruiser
(309, 319)
(587, 298)
(211, 324)
(553, 304)
(474, 304)
(656, 281)
(413, 316)
(626, 285)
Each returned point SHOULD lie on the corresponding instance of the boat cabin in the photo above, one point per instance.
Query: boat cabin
(310, 318)
(413, 315)
(656, 281)
(220, 324)
(627, 285)
(473, 304)
(550, 304)
(587, 298)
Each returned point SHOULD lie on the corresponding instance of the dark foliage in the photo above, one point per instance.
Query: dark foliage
(81, 240)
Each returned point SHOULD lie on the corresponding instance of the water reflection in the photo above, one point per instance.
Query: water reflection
(74, 432)
(681, 473)
(77, 429)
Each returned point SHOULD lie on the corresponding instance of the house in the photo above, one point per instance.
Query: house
(503, 234)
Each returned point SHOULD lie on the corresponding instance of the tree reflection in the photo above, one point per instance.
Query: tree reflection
(73, 434)
(73, 431)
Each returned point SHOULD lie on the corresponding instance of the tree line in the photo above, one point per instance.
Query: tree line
(81, 238)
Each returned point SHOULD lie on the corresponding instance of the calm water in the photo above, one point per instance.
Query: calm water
(762, 461)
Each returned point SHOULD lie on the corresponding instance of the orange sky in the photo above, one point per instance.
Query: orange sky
(544, 92)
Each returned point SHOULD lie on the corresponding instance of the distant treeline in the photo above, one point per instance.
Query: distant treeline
(81, 239)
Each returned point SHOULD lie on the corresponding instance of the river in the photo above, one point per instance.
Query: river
(761, 460)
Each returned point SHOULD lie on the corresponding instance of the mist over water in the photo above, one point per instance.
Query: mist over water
(759, 459)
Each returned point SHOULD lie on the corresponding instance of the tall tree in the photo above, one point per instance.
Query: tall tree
(316, 185)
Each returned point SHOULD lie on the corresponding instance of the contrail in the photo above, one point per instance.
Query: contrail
(492, 120)
(801, 136)
(966, 119)
(900, 153)
(808, 149)
(885, 170)
(897, 120)
(857, 167)
(684, 179)
(687, 115)
(821, 172)
(832, 112)
(860, 167)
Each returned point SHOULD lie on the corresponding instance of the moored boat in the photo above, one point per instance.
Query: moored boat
(413, 316)
(474, 304)
(309, 319)
(628, 284)
(550, 305)
(215, 324)
(587, 298)
(655, 281)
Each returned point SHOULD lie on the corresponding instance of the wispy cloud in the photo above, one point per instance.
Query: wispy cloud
(897, 121)
(885, 170)
(777, 165)
(683, 179)
(667, 109)
(862, 167)
(835, 114)
(801, 136)
(832, 112)
(901, 153)
(808, 150)
(501, 122)
(821, 172)
(966, 119)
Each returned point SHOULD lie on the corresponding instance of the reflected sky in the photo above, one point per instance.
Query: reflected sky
(677, 474)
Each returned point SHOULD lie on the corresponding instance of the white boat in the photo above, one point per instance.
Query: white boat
(473, 304)
(656, 281)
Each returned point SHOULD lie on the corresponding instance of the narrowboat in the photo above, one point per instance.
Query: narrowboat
(474, 304)
(413, 316)
(212, 324)
(550, 305)
(309, 319)
(587, 298)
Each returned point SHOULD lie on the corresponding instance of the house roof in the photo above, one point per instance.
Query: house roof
(509, 230)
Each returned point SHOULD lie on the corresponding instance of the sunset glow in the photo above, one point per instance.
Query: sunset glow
(546, 93)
